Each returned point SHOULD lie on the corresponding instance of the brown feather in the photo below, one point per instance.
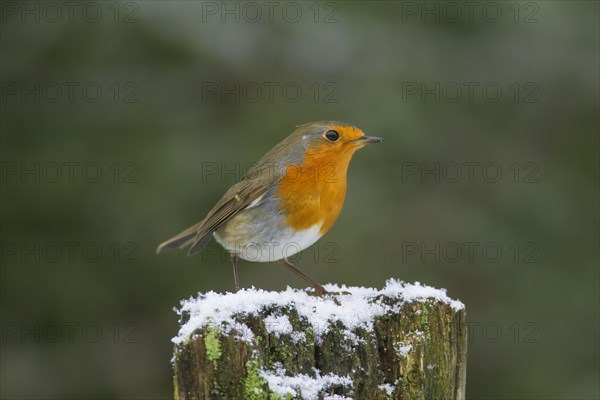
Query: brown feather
(258, 180)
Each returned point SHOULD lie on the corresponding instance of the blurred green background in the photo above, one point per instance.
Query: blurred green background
(144, 113)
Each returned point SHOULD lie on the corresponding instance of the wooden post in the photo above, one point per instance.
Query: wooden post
(402, 342)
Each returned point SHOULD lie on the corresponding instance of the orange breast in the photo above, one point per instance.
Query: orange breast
(313, 193)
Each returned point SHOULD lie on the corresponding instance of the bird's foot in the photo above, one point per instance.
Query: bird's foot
(322, 292)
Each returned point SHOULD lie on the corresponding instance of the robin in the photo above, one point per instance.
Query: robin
(284, 203)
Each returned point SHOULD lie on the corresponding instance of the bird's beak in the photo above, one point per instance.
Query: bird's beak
(368, 139)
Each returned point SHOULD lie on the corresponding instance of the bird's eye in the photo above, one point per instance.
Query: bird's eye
(332, 136)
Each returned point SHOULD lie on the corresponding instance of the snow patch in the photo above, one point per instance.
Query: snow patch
(402, 349)
(304, 386)
(358, 309)
(278, 325)
(387, 388)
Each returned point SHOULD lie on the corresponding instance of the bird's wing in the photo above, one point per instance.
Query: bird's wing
(241, 195)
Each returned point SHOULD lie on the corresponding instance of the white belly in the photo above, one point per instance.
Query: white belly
(285, 243)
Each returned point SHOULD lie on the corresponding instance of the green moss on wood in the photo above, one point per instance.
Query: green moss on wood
(215, 366)
(255, 386)
(213, 345)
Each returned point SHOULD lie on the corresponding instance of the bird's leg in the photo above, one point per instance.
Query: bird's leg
(234, 258)
(320, 290)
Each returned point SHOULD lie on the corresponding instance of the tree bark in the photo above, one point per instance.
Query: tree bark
(415, 350)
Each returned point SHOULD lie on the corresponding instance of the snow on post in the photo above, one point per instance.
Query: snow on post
(405, 341)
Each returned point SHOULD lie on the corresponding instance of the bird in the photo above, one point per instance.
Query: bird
(285, 203)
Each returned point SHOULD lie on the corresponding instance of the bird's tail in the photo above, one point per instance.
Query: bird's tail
(179, 241)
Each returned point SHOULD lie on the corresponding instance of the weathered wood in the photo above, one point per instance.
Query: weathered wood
(272, 347)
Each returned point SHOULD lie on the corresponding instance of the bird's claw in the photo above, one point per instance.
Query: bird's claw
(321, 292)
